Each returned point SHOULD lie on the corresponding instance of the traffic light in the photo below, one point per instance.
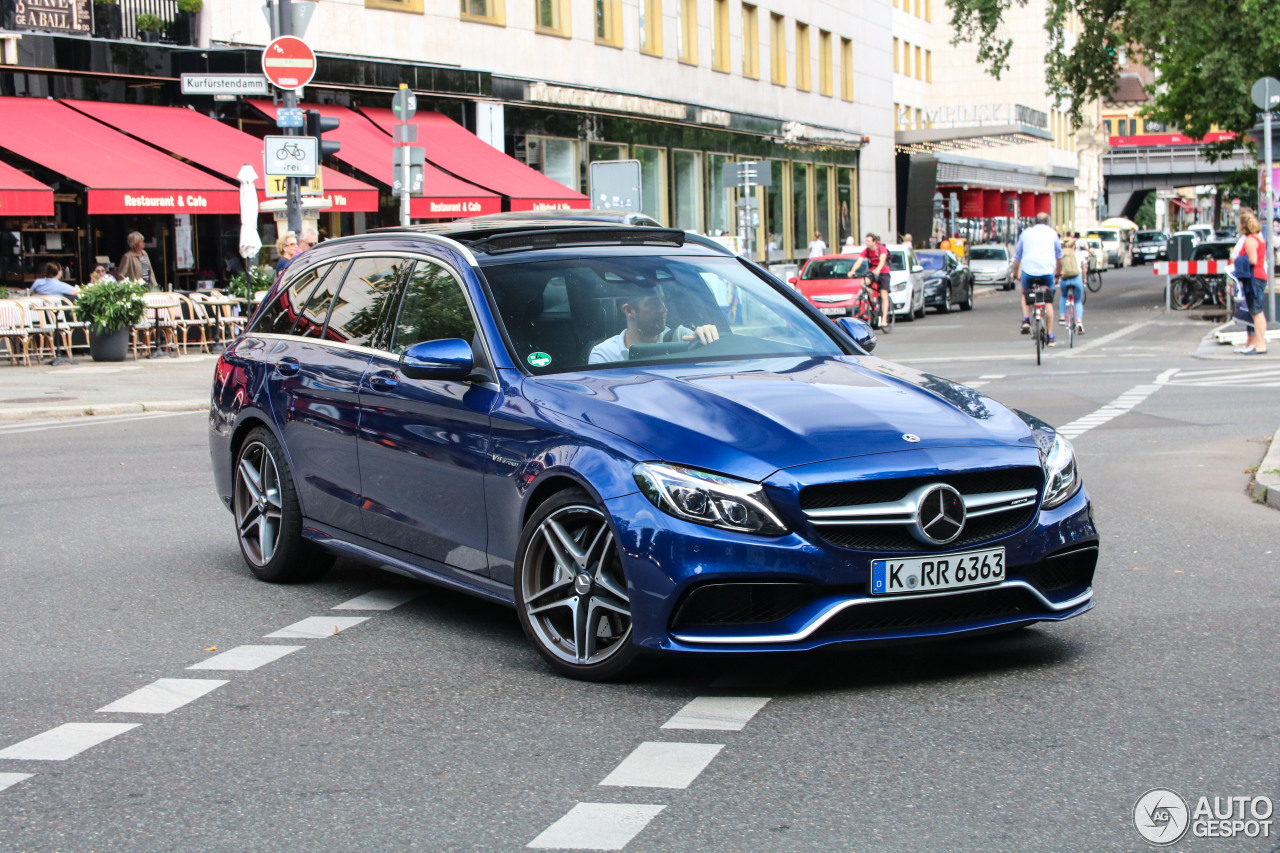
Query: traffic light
(317, 125)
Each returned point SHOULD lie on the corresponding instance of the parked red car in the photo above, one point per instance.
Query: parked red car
(834, 284)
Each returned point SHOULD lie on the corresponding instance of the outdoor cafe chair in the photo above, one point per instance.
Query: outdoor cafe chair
(15, 329)
(163, 312)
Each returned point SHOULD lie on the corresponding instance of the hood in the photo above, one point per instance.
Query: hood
(751, 418)
(988, 265)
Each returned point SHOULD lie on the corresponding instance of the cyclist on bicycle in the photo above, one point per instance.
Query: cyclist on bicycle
(877, 258)
(1037, 263)
(1072, 283)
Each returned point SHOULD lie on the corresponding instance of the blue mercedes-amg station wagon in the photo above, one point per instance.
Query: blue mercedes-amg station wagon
(642, 442)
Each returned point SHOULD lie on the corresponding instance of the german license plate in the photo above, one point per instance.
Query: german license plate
(839, 311)
(906, 575)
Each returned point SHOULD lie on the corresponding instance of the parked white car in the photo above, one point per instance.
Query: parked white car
(992, 265)
(1097, 254)
(906, 282)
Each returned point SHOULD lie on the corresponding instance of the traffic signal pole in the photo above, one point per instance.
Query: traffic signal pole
(293, 190)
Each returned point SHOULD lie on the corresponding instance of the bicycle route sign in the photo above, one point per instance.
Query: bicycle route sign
(291, 156)
(289, 62)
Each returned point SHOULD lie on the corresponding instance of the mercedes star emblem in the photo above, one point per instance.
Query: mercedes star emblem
(911, 437)
(940, 515)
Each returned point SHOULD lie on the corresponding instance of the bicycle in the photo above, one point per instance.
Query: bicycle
(1094, 279)
(873, 297)
(290, 149)
(1039, 331)
(1070, 317)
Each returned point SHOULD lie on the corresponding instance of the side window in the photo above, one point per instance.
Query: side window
(434, 307)
(278, 317)
(369, 288)
(316, 309)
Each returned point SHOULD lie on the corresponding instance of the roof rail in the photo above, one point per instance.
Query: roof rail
(551, 238)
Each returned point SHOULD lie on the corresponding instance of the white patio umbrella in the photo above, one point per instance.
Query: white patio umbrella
(250, 242)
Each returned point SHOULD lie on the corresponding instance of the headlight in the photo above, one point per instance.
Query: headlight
(710, 499)
(897, 286)
(1060, 476)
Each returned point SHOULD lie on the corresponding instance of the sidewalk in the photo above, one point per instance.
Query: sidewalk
(1219, 343)
(92, 388)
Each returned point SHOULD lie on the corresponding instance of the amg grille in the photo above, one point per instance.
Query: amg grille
(906, 614)
(720, 604)
(1071, 570)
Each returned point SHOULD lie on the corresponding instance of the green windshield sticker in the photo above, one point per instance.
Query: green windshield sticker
(539, 359)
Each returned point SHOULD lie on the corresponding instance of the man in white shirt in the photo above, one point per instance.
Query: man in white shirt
(1037, 262)
(646, 313)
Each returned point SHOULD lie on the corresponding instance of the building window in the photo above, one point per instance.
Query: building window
(928, 66)
(825, 70)
(897, 67)
(485, 11)
(919, 13)
(802, 57)
(412, 6)
(651, 27)
(555, 158)
(720, 39)
(1107, 125)
(906, 59)
(778, 48)
(919, 64)
(846, 69)
(750, 42)
(552, 17)
(928, 10)
(687, 31)
(686, 167)
(653, 181)
(609, 22)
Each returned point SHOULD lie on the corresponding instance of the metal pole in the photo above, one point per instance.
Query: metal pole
(293, 193)
(404, 187)
(1269, 209)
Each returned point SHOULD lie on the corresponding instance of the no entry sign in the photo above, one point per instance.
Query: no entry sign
(289, 62)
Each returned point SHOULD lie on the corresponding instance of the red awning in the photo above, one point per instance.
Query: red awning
(23, 195)
(122, 175)
(366, 148)
(217, 147)
(457, 150)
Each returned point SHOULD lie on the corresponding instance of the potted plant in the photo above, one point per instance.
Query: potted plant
(149, 26)
(186, 26)
(108, 22)
(112, 309)
(246, 284)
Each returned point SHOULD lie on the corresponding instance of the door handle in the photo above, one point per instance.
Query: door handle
(384, 380)
(288, 366)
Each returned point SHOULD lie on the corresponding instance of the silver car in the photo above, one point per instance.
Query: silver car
(992, 265)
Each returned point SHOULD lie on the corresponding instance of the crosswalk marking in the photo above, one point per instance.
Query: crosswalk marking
(1255, 376)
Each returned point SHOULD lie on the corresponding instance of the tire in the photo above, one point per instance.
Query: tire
(1036, 332)
(967, 305)
(567, 560)
(907, 316)
(1094, 280)
(268, 518)
(945, 307)
(1185, 293)
(919, 312)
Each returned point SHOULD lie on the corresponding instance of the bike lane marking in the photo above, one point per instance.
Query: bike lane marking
(596, 826)
(8, 780)
(163, 696)
(65, 741)
(245, 658)
(1117, 407)
(663, 764)
(717, 713)
(317, 627)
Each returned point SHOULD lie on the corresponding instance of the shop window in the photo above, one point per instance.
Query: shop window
(651, 27)
(653, 181)
(687, 185)
(846, 69)
(750, 41)
(552, 17)
(719, 222)
(802, 57)
(720, 36)
(825, 71)
(411, 6)
(846, 203)
(609, 22)
(687, 31)
(801, 231)
(485, 11)
(822, 218)
(555, 158)
(775, 213)
(778, 48)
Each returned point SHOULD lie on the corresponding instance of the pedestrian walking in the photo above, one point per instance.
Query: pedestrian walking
(1037, 262)
(817, 246)
(136, 263)
(1251, 270)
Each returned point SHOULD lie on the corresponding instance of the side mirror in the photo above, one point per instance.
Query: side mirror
(917, 268)
(793, 281)
(447, 358)
(860, 332)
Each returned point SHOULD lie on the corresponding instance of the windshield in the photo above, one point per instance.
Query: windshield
(931, 260)
(1105, 236)
(571, 314)
(897, 261)
(1212, 251)
(832, 267)
(1152, 236)
(988, 254)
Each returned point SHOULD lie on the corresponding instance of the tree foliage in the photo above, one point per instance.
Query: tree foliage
(1206, 53)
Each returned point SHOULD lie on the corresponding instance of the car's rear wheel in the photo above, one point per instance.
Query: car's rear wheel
(268, 517)
(571, 591)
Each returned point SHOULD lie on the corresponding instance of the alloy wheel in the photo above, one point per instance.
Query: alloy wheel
(573, 589)
(258, 503)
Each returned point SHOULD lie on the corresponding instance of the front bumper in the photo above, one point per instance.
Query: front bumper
(812, 594)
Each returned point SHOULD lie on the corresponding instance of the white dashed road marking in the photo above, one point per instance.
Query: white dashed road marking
(596, 826)
(66, 741)
(656, 764)
(8, 780)
(162, 696)
(717, 713)
(379, 599)
(317, 627)
(246, 658)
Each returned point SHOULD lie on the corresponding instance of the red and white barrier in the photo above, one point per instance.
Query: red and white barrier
(1191, 267)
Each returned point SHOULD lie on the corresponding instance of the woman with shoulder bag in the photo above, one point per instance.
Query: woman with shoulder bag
(1072, 281)
(1251, 269)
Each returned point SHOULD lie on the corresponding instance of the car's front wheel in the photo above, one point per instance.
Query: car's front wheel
(268, 517)
(571, 591)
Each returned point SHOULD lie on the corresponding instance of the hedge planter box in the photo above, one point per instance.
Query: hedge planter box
(109, 346)
(186, 28)
(108, 21)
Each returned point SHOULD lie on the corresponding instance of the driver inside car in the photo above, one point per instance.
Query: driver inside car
(646, 313)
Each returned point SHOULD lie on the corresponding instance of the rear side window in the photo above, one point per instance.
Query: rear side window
(367, 291)
(434, 307)
(315, 310)
(279, 315)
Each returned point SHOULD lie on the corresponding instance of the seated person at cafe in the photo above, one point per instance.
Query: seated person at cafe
(52, 284)
(646, 313)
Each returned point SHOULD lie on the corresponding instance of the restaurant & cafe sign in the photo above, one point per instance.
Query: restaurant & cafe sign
(68, 16)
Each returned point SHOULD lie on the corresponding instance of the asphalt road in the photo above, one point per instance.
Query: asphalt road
(433, 726)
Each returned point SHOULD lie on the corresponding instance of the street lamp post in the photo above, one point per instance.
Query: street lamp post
(1266, 97)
